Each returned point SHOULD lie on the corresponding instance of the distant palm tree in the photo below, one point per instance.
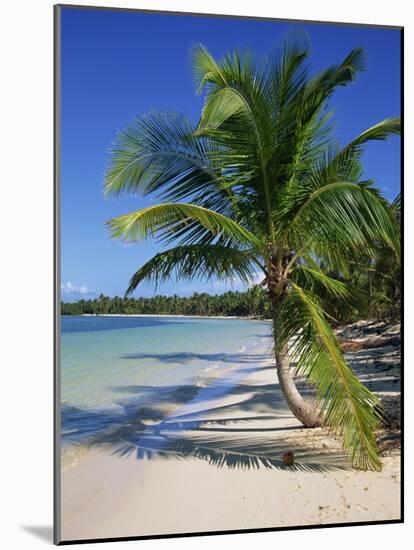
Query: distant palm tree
(260, 185)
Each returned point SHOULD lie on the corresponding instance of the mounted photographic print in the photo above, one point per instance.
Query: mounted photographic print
(228, 280)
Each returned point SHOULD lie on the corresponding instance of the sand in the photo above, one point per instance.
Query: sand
(220, 467)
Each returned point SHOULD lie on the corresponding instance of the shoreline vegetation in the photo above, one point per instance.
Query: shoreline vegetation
(249, 304)
(381, 303)
(182, 316)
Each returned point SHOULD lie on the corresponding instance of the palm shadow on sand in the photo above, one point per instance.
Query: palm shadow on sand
(251, 429)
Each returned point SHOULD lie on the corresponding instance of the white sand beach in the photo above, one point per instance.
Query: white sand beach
(198, 484)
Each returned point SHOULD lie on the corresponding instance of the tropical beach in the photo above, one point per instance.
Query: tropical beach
(231, 293)
(217, 445)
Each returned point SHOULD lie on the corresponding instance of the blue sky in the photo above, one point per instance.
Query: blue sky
(116, 65)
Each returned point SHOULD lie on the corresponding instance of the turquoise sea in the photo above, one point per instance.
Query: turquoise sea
(113, 366)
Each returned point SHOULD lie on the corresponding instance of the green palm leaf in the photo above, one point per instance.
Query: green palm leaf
(171, 219)
(379, 132)
(195, 261)
(237, 114)
(315, 279)
(158, 153)
(204, 68)
(396, 203)
(350, 409)
(327, 80)
(342, 216)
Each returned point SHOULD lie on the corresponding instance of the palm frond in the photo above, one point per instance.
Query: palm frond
(204, 68)
(379, 132)
(195, 261)
(288, 71)
(337, 75)
(168, 220)
(350, 410)
(317, 90)
(222, 104)
(396, 203)
(338, 297)
(158, 153)
(340, 215)
(315, 279)
(238, 116)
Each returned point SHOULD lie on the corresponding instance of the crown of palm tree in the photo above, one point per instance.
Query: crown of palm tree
(260, 183)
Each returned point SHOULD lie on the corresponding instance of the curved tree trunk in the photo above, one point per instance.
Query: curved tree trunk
(305, 411)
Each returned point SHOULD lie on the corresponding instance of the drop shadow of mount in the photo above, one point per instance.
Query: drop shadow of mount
(154, 423)
(42, 532)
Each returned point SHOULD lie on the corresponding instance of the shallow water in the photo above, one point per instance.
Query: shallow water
(135, 368)
(102, 356)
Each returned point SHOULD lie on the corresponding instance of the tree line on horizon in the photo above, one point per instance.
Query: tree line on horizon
(379, 284)
(251, 303)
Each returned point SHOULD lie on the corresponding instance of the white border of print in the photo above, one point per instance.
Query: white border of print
(26, 228)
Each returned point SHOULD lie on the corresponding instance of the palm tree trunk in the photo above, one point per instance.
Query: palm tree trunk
(304, 410)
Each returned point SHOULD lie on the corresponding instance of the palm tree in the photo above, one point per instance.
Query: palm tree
(260, 185)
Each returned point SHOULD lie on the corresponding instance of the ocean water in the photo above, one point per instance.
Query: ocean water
(116, 368)
(102, 356)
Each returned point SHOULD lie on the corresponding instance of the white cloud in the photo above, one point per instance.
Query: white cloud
(69, 288)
